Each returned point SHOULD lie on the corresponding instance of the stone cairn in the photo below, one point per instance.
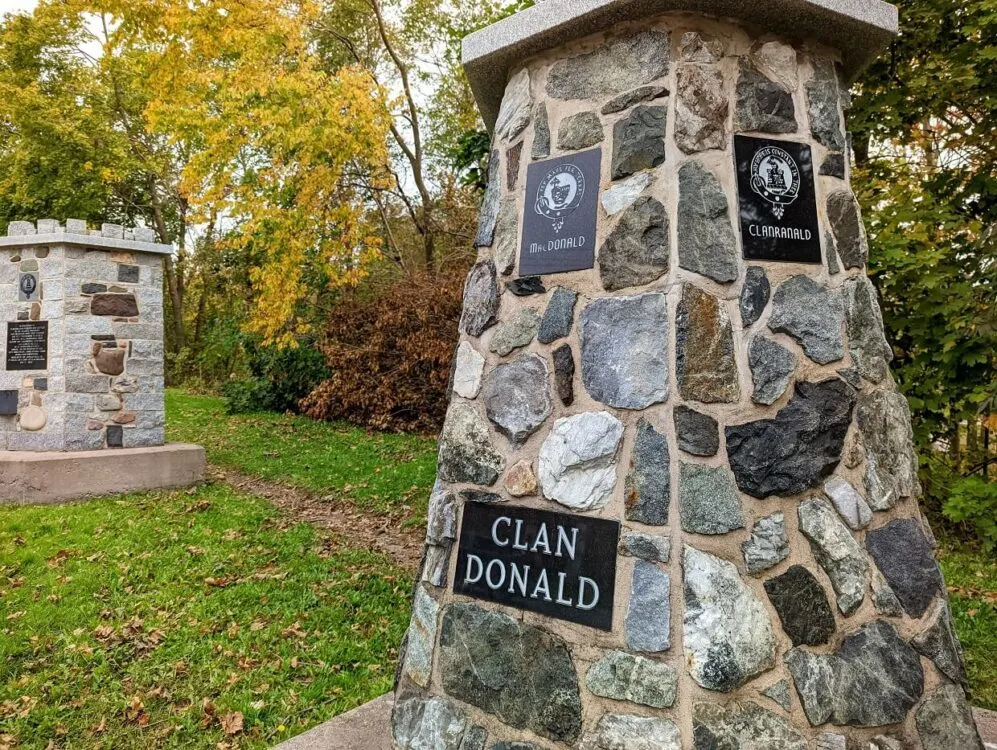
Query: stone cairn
(776, 587)
(98, 292)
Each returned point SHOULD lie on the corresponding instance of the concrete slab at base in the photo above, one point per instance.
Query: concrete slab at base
(29, 477)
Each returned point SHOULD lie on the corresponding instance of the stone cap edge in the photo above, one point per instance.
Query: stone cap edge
(85, 240)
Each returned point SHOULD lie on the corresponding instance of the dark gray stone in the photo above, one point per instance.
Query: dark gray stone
(939, 643)
(90, 288)
(846, 224)
(474, 739)
(701, 48)
(519, 673)
(701, 109)
(649, 547)
(639, 141)
(506, 241)
(706, 241)
(648, 619)
(582, 130)
(945, 721)
(515, 746)
(698, 434)
(115, 436)
(833, 165)
(708, 500)
(754, 295)
(873, 679)
(779, 692)
(866, 339)
(517, 397)
(541, 133)
(526, 286)
(798, 449)
(480, 496)
(884, 422)
(762, 105)
(481, 299)
(466, 450)
(772, 367)
(559, 316)
(648, 492)
(737, 726)
(624, 343)
(489, 204)
(419, 724)
(833, 266)
(41, 384)
(624, 63)
(514, 114)
(823, 99)
(127, 274)
(811, 314)
(628, 99)
(515, 332)
(626, 677)
(564, 374)
(705, 360)
(768, 545)
(636, 251)
(837, 551)
(903, 555)
(513, 158)
(802, 606)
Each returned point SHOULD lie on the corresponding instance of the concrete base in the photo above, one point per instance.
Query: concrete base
(369, 727)
(27, 477)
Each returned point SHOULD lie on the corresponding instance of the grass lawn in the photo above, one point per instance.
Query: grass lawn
(384, 473)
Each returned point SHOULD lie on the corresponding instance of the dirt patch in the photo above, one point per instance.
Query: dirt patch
(352, 527)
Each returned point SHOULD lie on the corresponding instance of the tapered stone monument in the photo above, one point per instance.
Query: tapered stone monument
(677, 500)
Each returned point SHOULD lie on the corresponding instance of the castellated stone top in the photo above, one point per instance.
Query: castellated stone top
(76, 232)
(858, 29)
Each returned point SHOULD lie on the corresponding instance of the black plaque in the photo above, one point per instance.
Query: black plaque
(778, 208)
(560, 214)
(8, 403)
(559, 565)
(27, 345)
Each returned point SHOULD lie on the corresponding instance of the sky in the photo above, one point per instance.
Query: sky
(12, 6)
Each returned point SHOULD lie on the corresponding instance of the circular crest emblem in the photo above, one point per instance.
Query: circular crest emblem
(776, 178)
(560, 194)
(28, 284)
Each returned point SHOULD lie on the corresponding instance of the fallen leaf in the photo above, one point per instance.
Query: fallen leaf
(232, 723)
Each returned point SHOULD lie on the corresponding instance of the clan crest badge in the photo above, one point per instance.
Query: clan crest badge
(560, 194)
(776, 178)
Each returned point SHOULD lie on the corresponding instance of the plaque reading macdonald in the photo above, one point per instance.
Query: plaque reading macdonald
(778, 208)
(559, 219)
(559, 565)
(27, 345)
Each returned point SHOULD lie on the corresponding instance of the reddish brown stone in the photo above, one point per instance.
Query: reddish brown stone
(94, 425)
(125, 417)
(110, 361)
(117, 305)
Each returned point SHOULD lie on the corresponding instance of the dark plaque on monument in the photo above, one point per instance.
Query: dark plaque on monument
(560, 214)
(559, 565)
(778, 208)
(27, 345)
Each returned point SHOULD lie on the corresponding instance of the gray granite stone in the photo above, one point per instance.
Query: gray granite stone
(706, 241)
(506, 240)
(480, 299)
(541, 133)
(903, 555)
(866, 339)
(517, 104)
(622, 194)
(578, 460)
(441, 523)
(639, 141)
(884, 422)
(519, 673)
(705, 362)
(636, 251)
(708, 500)
(631, 61)
(698, 434)
(558, 317)
(468, 367)
(578, 131)
(517, 397)
(945, 721)
(873, 679)
(846, 225)
(833, 165)
(851, 506)
(823, 100)
(768, 544)
(939, 643)
(648, 492)
(637, 679)
(626, 732)
(837, 551)
(420, 724)
(648, 618)
(513, 160)
(754, 295)
(564, 374)
(772, 367)
(628, 99)
(466, 450)
(701, 48)
(701, 109)
(762, 104)
(802, 606)
(811, 314)
(650, 547)
(624, 343)
(421, 638)
(474, 739)
(779, 692)
(488, 214)
(883, 598)
(727, 634)
(742, 726)
(515, 332)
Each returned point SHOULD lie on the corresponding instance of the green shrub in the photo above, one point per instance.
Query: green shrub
(973, 500)
(279, 379)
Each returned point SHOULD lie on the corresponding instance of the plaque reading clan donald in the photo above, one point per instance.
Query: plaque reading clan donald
(557, 564)
(778, 208)
(560, 214)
